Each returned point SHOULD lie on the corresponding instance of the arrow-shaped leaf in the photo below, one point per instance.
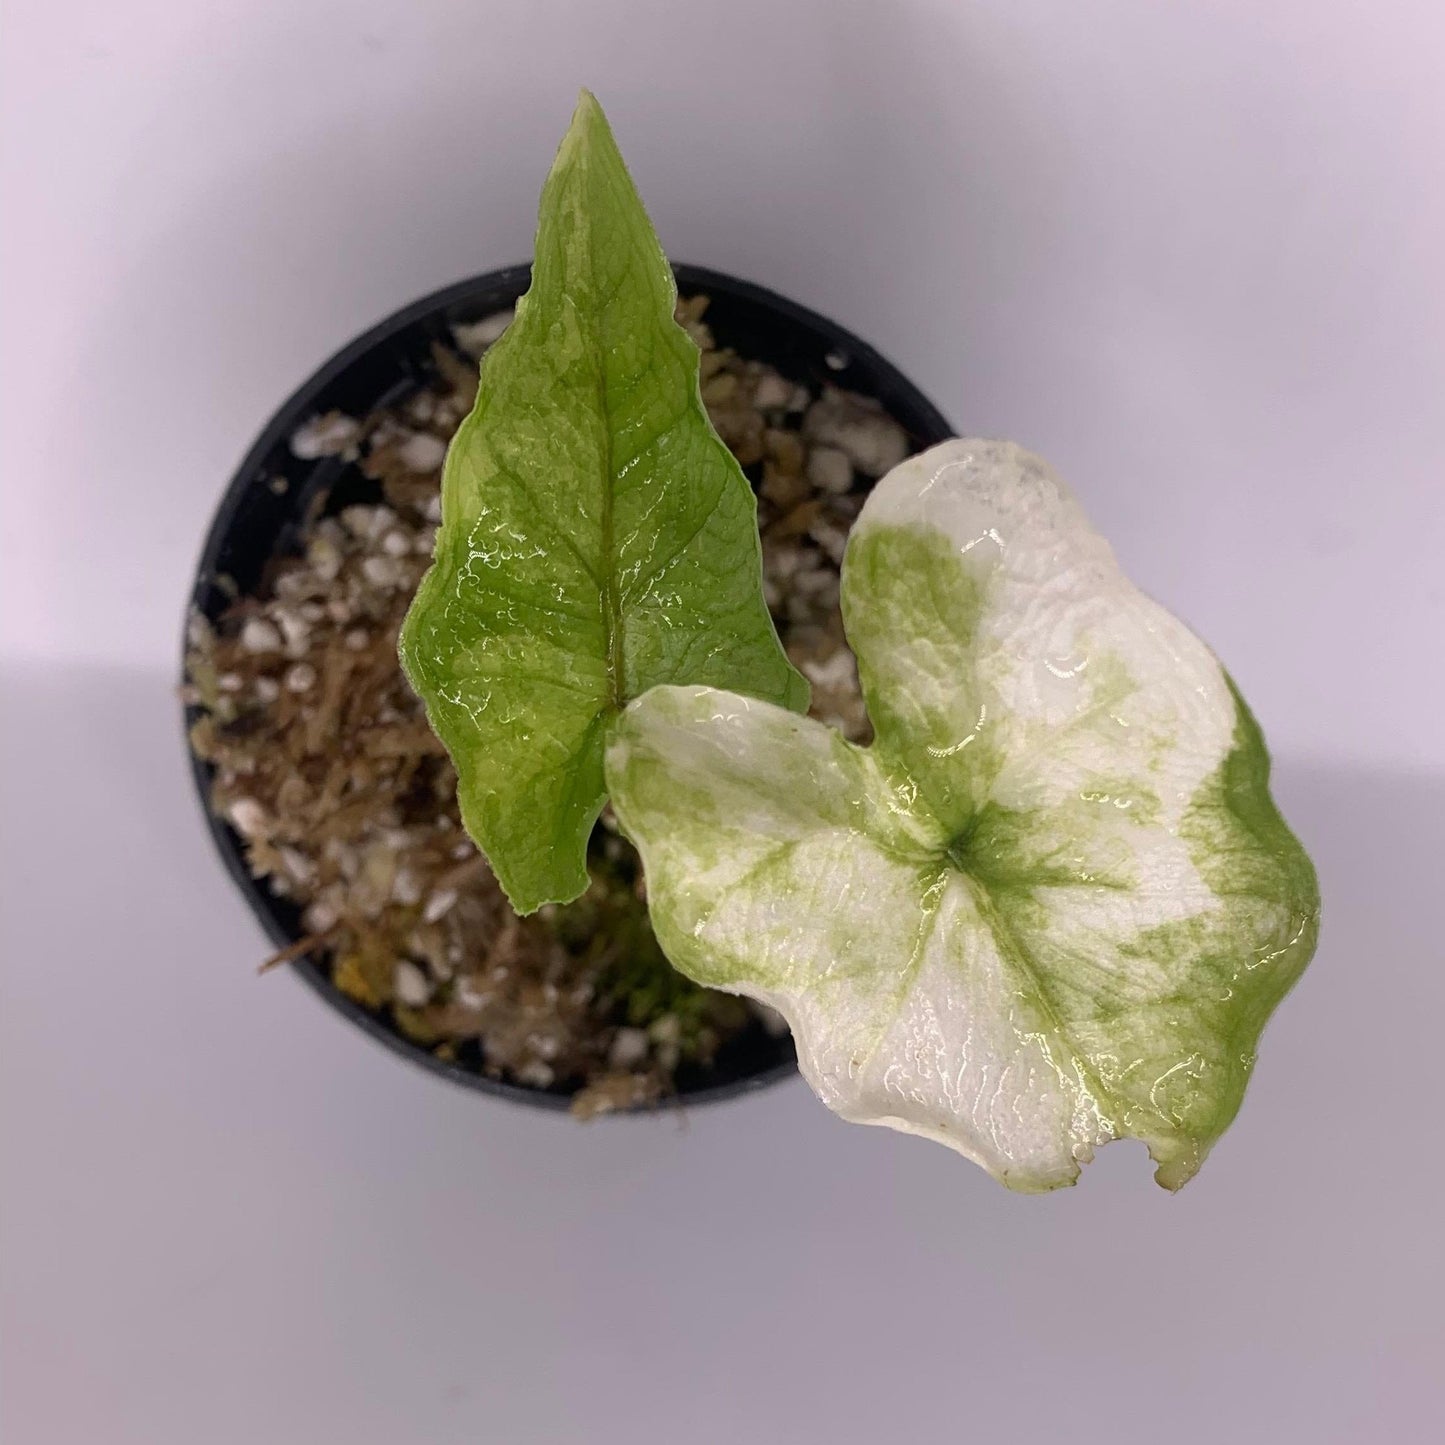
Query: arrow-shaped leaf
(597, 537)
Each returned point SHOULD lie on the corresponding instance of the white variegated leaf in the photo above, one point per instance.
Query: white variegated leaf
(1052, 905)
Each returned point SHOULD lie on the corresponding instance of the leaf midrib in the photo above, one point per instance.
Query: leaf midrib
(1015, 955)
(611, 602)
(940, 868)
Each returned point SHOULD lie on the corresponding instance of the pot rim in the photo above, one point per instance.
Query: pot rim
(928, 423)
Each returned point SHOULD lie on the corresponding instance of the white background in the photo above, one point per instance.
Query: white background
(1190, 251)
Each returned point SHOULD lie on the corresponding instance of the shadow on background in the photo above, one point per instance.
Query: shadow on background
(225, 1148)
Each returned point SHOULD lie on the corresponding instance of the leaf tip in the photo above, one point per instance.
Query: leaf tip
(1175, 1167)
(588, 119)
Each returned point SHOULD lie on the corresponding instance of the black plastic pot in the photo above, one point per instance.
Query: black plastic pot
(259, 519)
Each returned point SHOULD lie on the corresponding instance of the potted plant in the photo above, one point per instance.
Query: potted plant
(1049, 904)
(813, 415)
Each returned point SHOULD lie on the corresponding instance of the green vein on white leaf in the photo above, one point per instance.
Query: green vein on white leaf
(1052, 905)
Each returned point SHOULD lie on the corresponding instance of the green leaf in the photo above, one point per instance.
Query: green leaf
(1052, 905)
(597, 537)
